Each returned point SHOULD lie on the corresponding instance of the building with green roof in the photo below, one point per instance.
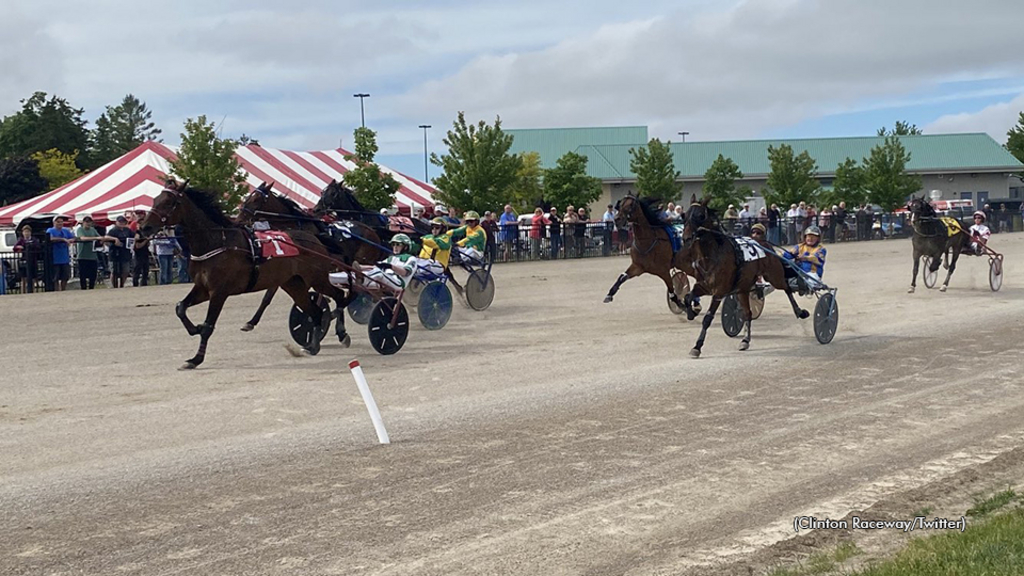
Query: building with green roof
(960, 166)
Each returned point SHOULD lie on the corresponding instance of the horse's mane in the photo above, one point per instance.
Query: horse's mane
(291, 205)
(206, 201)
(650, 210)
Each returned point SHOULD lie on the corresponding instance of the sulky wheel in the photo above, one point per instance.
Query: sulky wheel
(995, 273)
(359, 308)
(826, 318)
(756, 304)
(732, 316)
(435, 305)
(681, 285)
(480, 290)
(388, 330)
(300, 326)
(929, 277)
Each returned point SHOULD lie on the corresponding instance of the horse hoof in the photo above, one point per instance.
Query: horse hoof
(911, 291)
(804, 314)
(607, 299)
(188, 366)
(942, 289)
(345, 340)
(744, 345)
(247, 327)
(695, 353)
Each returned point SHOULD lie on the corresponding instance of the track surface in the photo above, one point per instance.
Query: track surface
(551, 434)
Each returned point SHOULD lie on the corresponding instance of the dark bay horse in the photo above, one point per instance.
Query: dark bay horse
(722, 270)
(935, 239)
(340, 201)
(284, 213)
(651, 251)
(224, 263)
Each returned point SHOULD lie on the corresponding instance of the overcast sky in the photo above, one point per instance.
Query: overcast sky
(285, 72)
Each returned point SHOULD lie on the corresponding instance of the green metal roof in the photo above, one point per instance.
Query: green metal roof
(553, 143)
(928, 153)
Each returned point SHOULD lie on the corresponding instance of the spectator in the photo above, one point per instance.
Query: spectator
(537, 223)
(773, 224)
(491, 227)
(679, 216)
(120, 255)
(746, 219)
(869, 225)
(555, 232)
(839, 216)
(609, 228)
(88, 263)
(792, 218)
(166, 247)
(60, 242)
(801, 216)
(581, 231)
(811, 216)
(987, 209)
(861, 219)
(30, 249)
(1004, 219)
(135, 218)
(183, 256)
(140, 250)
(570, 221)
(670, 212)
(509, 223)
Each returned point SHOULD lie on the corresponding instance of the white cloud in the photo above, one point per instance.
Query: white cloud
(995, 120)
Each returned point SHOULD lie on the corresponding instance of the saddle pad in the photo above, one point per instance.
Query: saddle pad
(343, 229)
(952, 225)
(750, 249)
(275, 244)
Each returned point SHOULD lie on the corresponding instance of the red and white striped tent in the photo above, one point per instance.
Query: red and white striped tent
(133, 180)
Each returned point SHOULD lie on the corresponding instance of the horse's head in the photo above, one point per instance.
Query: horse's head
(168, 210)
(257, 201)
(626, 210)
(920, 207)
(697, 216)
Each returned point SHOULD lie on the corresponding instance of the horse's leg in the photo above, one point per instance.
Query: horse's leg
(248, 326)
(952, 267)
(913, 279)
(341, 301)
(297, 288)
(688, 301)
(744, 298)
(197, 295)
(632, 272)
(708, 318)
(454, 282)
(800, 312)
(206, 329)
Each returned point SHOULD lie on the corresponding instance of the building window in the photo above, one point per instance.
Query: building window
(1014, 192)
(967, 196)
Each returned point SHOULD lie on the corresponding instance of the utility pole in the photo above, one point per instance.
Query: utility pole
(682, 135)
(362, 114)
(425, 177)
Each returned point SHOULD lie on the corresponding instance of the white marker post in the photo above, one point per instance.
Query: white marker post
(371, 406)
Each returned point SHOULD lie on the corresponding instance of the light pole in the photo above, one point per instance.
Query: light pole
(425, 177)
(362, 115)
(682, 135)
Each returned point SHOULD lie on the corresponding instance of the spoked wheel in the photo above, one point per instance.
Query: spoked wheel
(995, 274)
(300, 326)
(480, 290)
(756, 305)
(360, 308)
(929, 277)
(681, 284)
(435, 305)
(387, 337)
(732, 316)
(826, 318)
(413, 290)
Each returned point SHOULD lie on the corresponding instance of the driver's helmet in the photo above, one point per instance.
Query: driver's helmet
(402, 239)
(982, 214)
(813, 230)
(759, 227)
(439, 222)
(471, 215)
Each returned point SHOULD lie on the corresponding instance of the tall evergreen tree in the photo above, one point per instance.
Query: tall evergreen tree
(19, 179)
(121, 129)
(43, 124)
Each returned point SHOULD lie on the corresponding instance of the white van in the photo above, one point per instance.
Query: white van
(8, 238)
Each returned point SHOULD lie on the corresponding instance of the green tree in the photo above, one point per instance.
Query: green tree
(901, 129)
(849, 184)
(209, 162)
(56, 167)
(527, 192)
(19, 179)
(655, 170)
(121, 129)
(568, 184)
(793, 179)
(1015, 139)
(43, 124)
(374, 189)
(720, 184)
(479, 172)
(886, 177)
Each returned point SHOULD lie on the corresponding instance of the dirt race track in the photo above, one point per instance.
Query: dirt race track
(551, 434)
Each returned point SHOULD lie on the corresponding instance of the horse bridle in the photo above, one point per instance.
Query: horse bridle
(165, 216)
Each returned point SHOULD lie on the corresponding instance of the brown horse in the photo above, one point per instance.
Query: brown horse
(933, 238)
(651, 251)
(285, 214)
(722, 269)
(225, 263)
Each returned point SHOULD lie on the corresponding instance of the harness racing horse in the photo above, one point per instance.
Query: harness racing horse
(341, 201)
(225, 262)
(652, 251)
(725, 266)
(934, 238)
(285, 214)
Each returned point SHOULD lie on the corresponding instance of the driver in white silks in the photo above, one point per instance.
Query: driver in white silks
(395, 271)
(979, 232)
